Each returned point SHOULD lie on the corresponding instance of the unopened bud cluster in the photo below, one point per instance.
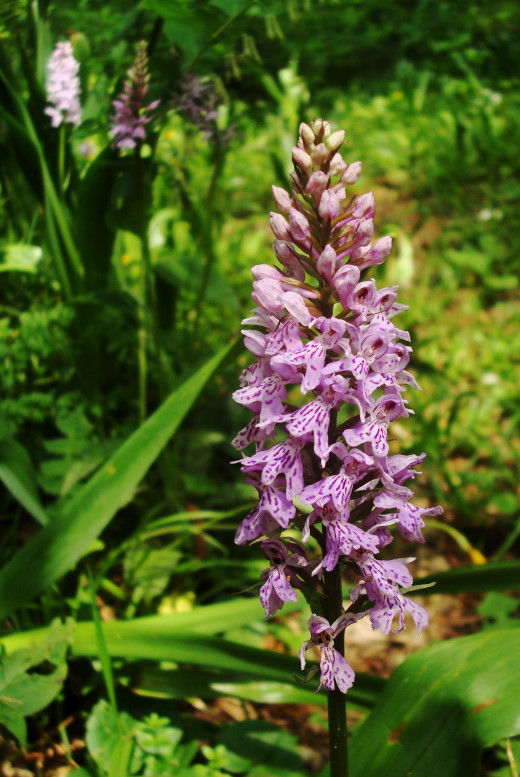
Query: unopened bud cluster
(131, 114)
(319, 325)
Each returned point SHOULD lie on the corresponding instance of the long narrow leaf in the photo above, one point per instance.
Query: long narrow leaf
(223, 667)
(210, 619)
(474, 579)
(235, 663)
(58, 547)
(18, 475)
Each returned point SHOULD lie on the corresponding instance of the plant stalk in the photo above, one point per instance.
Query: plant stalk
(338, 744)
(61, 160)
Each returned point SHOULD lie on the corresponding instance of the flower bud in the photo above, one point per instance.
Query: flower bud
(327, 263)
(321, 129)
(279, 226)
(302, 160)
(358, 253)
(364, 232)
(299, 226)
(317, 183)
(351, 174)
(283, 250)
(339, 191)
(329, 205)
(306, 135)
(320, 154)
(335, 140)
(337, 165)
(287, 256)
(281, 199)
(364, 207)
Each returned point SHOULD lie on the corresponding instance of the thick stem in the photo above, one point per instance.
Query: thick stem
(336, 700)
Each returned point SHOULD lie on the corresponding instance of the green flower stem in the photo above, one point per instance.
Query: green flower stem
(142, 364)
(338, 744)
(61, 159)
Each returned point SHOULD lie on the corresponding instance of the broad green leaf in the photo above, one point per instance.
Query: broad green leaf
(23, 691)
(110, 739)
(477, 578)
(441, 708)
(59, 546)
(186, 36)
(17, 473)
(19, 257)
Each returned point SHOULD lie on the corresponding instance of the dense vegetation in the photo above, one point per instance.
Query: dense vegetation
(125, 277)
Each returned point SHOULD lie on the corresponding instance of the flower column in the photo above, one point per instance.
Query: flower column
(318, 325)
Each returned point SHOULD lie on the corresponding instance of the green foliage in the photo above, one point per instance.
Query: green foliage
(499, 611)
(20, 258)
(31, 678)
(443, 705)
(55, 549)
(35, 351)
(260, 748)
(17, 473)
(153, 747)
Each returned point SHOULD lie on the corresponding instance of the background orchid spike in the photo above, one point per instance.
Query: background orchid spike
(131, 114)
(63, 87)
(320, 326)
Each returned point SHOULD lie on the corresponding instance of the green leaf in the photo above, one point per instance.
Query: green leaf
(17, 473)
(82, 773)
(186, 36)
(477, 578)
(155, 737)
(224, 667)
(231, 7)
(19, 257)
(498, 610)
(24, 691)
(443, 705)
(263, 745)
(59, 546)
(210, 619)
(186, 29)
(235, 663)
(110, 739)
(209, 684)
